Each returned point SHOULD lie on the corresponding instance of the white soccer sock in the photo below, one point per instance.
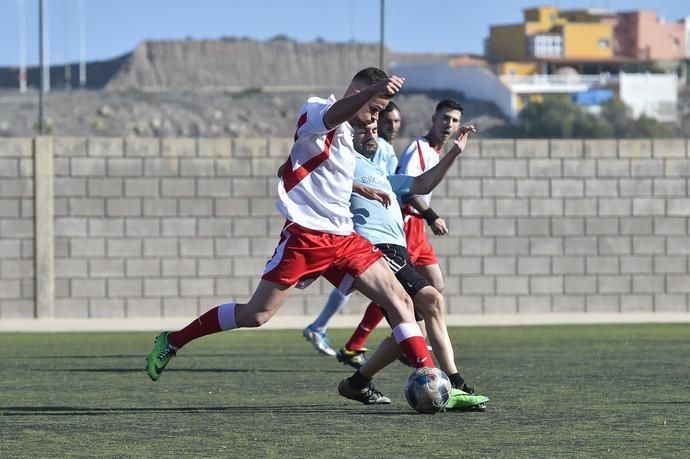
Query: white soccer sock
(405, 331)
(226, 316)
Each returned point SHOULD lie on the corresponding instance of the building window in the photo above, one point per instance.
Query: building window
(676, 42)
(604, 43)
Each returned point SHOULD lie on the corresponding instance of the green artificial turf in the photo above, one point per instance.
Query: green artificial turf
(556, 391)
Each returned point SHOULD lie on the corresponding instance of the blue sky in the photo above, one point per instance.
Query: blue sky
(115, 27)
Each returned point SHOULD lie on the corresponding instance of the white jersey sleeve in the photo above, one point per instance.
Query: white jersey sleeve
(417, 158)
(310, 121)
(411, 161)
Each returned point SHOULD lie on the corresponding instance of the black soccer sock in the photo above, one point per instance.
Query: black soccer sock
(458, 382)
(359, 381)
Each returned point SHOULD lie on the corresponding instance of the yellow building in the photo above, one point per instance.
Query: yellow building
(548, 33)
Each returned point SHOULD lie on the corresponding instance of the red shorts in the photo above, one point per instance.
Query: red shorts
(303, 255)
(421, 251)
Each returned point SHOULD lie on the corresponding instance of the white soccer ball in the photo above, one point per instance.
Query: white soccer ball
(428, 390)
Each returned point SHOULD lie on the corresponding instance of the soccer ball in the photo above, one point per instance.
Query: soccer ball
(427, 390)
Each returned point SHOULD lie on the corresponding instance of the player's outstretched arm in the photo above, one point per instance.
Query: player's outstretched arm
(345, 108)
(426, 182)
(372, 193)
(437, 224)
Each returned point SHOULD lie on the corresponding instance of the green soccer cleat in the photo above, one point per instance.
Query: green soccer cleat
(462, 401)
(353, 358)
(160, 356)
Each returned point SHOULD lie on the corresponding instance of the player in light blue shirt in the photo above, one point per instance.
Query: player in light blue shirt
(383, 226)
(379, 224)
(389, 125)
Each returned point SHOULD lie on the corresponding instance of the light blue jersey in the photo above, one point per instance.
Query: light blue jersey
(376, 223)
(385, 157)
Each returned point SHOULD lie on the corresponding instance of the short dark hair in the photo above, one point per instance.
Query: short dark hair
(449, 104)
(390, 107)
(370, 75)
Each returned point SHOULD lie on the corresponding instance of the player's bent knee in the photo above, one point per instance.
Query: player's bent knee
(439, 285)
(430, 303)
(254, 320)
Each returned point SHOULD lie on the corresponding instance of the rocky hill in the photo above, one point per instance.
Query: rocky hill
(225, 87)
(237, 63)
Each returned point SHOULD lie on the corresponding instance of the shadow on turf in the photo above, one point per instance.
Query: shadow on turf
(136, 356)
(189, 370)
(289, 409)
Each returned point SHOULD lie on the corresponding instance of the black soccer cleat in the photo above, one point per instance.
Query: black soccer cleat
(369, 395)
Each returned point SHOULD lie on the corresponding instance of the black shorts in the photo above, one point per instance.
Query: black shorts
(398, 260)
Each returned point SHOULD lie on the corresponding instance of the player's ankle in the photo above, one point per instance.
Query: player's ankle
(358, 380)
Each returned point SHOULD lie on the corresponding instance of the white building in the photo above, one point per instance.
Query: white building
(654, 95)
(650, 94)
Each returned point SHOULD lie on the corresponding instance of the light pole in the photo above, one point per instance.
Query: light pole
(82, 45)
(68, 66)
(41, 88)
(381, 41)
(22, 47)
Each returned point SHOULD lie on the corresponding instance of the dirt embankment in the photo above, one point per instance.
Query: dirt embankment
(208, 88)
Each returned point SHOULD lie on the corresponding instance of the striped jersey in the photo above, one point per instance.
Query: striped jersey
(418, 157)
(316, 184)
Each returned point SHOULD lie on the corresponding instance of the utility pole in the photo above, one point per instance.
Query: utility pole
(42, 69)
(381, 40)
(46, 45)
(22, 46)
(68, 66)
(82, 45)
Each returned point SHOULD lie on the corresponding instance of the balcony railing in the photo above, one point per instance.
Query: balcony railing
(602, 79)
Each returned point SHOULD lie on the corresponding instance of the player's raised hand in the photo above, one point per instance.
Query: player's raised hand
(462, 137)
(389, 87)
(466, 129)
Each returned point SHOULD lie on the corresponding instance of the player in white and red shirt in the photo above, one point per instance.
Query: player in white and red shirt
(422, 154)
(389, 124)
(318, 237)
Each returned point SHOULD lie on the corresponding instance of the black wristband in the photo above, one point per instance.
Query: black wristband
(430, 216)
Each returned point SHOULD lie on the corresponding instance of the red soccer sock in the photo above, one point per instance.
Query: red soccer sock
(412, 344)
(372, 316)
(204, 325)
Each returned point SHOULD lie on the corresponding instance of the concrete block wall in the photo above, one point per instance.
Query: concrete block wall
(16, 228)
(172, 227)
(567, 226)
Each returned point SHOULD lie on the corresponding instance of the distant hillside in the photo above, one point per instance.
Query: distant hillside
(227, 62)
(98, 73)
(213, 88)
